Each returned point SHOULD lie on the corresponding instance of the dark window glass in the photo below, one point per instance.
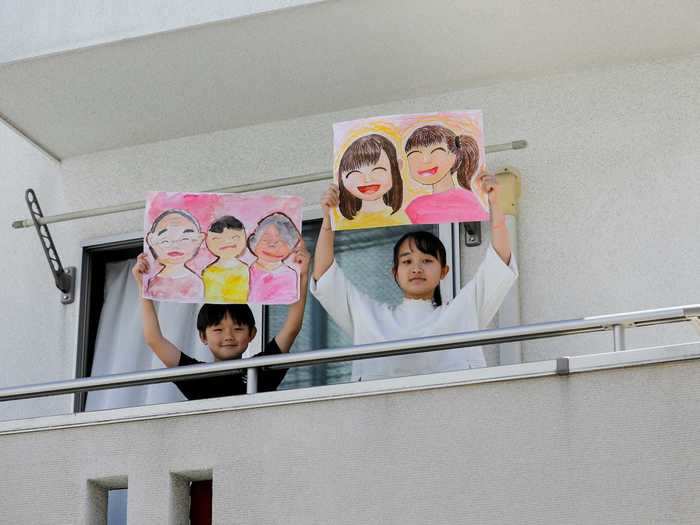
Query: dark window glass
(200, 502)
(116, 506)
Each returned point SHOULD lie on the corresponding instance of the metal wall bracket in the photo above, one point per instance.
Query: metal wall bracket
(563, 368)
(63, 277)
(472, 234)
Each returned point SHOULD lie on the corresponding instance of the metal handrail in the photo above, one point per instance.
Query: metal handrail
(240, 188)
(406, 346)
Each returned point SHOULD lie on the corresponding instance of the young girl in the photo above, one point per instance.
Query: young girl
(419, 266)
(370, 185)
(434, 154)
(174, 240)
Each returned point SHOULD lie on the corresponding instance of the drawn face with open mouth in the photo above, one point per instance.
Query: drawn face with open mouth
(430, 164)
(369, 182)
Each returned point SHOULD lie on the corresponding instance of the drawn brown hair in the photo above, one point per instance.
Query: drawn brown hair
(363, 152)
(463, 146)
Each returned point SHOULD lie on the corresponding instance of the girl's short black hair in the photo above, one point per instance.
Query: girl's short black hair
(429, 244)
(213, 314)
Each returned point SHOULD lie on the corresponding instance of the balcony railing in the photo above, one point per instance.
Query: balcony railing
(617, 323)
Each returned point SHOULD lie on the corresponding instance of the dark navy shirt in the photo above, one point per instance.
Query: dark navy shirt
(232, 384)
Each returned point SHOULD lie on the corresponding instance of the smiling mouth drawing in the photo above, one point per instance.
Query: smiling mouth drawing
(228, 247)
(369, 188)
(176, 254)
(431, 171)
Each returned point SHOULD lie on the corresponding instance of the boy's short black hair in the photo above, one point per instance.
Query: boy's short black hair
(212, 314)
(226, 222)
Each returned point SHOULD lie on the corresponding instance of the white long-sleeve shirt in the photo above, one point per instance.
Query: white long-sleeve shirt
(369, 321)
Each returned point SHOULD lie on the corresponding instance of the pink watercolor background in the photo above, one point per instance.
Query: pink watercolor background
(206, 208)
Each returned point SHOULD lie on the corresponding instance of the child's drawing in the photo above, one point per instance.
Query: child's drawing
(274, 239)
(226, 279)
(199, 244)
(174, 239)
(369, 180)
(405, 169)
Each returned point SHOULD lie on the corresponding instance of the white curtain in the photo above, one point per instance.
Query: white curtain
(120, 348)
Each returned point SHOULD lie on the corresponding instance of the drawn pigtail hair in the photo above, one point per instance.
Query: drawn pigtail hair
(467, 150)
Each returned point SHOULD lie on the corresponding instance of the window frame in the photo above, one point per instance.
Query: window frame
(97, 252)
(447, 233)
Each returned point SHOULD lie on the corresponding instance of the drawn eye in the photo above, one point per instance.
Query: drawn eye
(412, 152)
(439, 149)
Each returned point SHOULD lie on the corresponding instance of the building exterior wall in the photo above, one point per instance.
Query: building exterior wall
(611, 446)
(608, 218)
(31, 28)
(33, 321)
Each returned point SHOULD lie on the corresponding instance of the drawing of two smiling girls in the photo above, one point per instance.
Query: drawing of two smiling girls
(175, 238)
(371, 189)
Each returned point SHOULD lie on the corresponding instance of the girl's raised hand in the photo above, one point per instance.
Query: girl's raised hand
(489, 185)
(301, 258)
(330, 199)
(140, 269)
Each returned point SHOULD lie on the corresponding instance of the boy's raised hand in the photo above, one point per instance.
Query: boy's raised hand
(330, 199)
(140, 269)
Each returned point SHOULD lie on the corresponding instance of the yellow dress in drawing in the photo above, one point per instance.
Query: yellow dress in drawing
(226, 284)
(372, 219)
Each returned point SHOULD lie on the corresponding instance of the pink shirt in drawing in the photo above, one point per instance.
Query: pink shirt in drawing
(455, 205)
(183, 287)
(278, 286)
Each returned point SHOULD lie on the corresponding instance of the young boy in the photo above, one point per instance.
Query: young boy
(226, 329)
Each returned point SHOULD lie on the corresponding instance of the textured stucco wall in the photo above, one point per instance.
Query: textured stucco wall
(601, 447)
(36, 328)
(609, 210)
(608, 216)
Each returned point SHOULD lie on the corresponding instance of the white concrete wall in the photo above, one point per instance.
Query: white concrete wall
(599, 447)
(36, 328)
(30, 28)
(609, 210)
